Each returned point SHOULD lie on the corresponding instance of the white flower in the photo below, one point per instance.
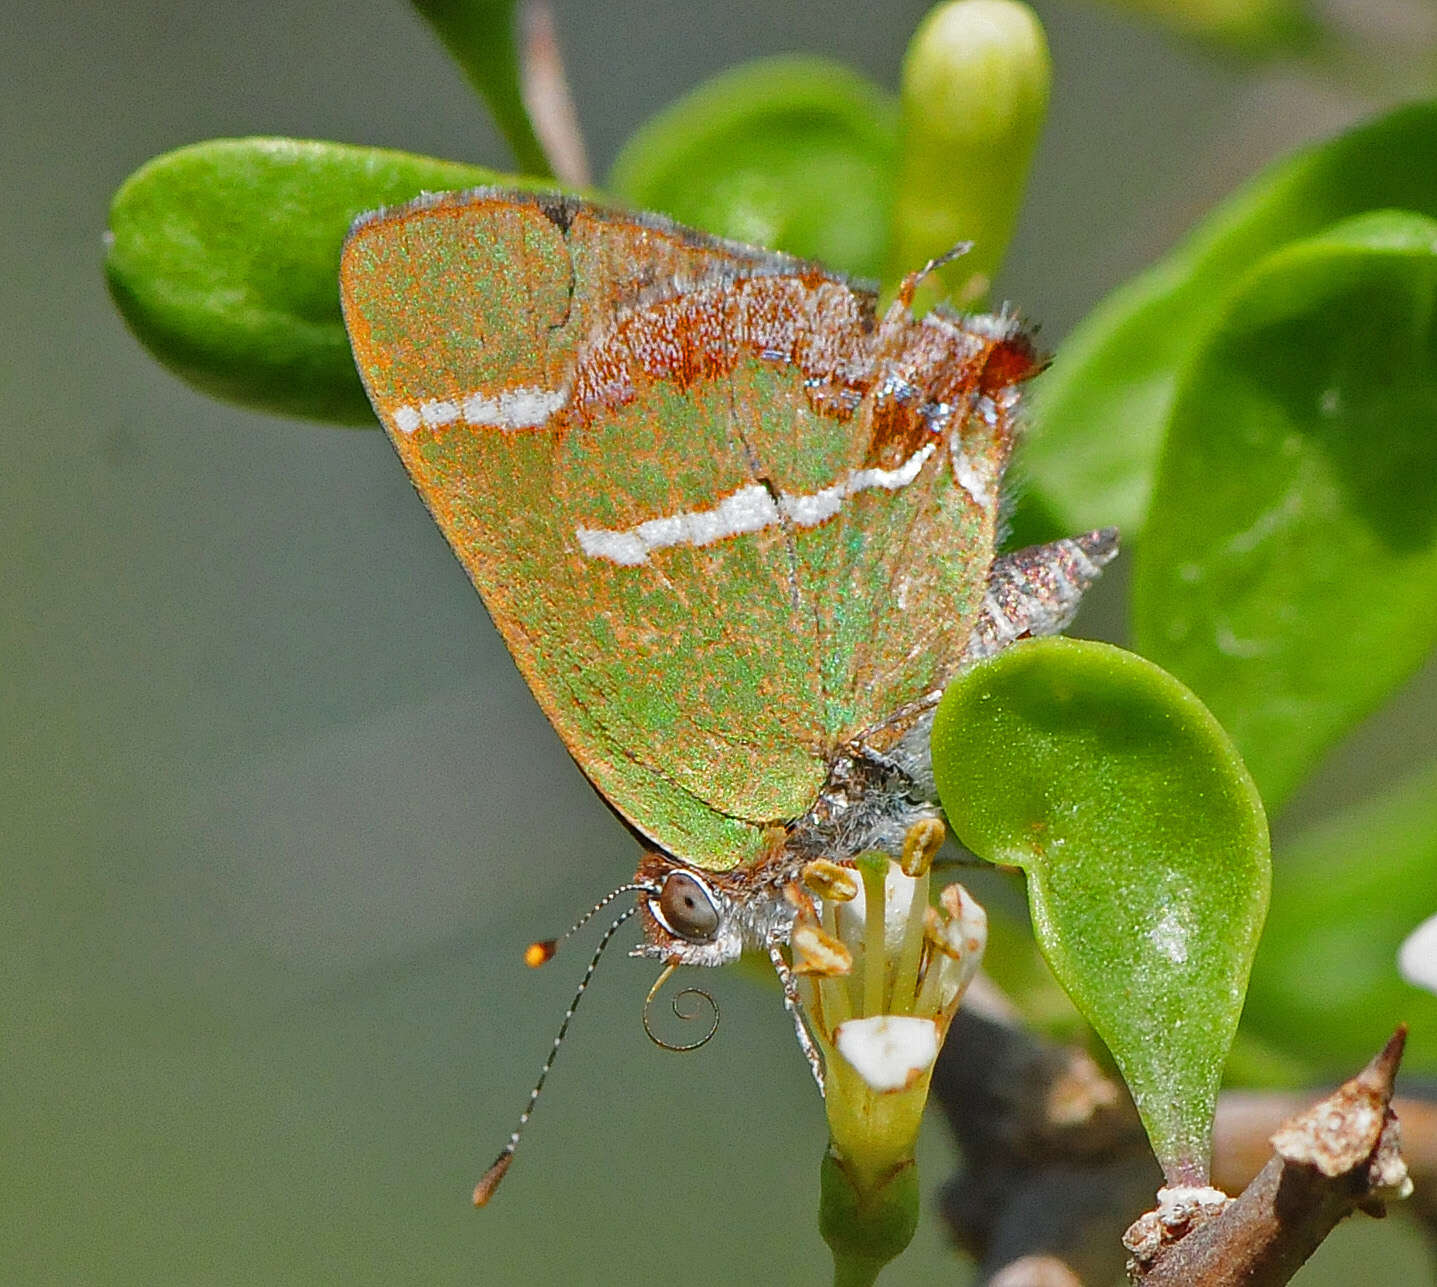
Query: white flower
(880, 975)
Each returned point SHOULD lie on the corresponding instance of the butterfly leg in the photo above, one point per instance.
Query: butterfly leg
(794, 1008)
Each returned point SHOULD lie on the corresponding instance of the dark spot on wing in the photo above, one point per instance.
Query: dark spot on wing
(559, 210)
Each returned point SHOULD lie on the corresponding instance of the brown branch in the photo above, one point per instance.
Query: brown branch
(545, 90)
(1340, 1155)
(1247, 1119)
(1055, 1159)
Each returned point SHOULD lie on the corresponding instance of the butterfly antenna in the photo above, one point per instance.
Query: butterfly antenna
(542, 950)
(537, 954)
(909, 284)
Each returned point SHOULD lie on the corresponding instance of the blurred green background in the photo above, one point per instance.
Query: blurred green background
(279, 814)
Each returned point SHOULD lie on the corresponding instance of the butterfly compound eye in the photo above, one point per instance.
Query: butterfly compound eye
(688, 908)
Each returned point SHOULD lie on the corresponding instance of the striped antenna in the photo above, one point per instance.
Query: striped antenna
(535, 955)
(541, 951)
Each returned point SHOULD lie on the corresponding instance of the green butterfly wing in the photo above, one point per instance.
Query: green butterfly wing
(726, 518)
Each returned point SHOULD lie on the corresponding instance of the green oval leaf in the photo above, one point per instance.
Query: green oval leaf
(224, 259)
(1289, 570)
(1100, 413)
(796, 154)
(1145, 848)
(1325, 987)
(480, 37)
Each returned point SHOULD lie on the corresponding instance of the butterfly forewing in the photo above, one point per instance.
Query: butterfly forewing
(469, 316)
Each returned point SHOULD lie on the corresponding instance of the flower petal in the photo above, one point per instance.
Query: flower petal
(1417, 957)
(890, 1052)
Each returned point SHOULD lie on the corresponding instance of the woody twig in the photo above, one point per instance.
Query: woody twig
(1342, 1154)
(1056, 1160)
(545, 88)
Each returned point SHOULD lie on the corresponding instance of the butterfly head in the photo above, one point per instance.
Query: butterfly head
(696, 917)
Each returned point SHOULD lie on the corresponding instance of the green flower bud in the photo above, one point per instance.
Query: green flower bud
(974, 95)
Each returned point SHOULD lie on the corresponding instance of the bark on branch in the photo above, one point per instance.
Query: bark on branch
(1056, 1161)
(1342, 1154)
(545, 89)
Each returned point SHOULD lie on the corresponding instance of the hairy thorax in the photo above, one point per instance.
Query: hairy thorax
(871, 798)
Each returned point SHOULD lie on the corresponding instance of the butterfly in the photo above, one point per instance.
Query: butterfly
(736, 522)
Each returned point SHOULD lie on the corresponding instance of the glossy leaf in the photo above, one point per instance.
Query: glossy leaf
(974, 95)
(1100, 413)
(224, 259)
(1145, 848)
(480, 37)
(1325, 986)
(1289, 570)
(796, 154)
